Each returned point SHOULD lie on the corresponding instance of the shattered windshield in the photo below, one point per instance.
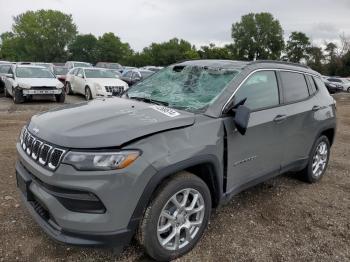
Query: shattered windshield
(190, 88)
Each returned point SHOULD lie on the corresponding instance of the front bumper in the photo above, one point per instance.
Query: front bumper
(41, 92)
(119, 191)
(46, 221)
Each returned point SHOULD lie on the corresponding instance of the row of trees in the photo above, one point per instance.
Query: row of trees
(52, 36)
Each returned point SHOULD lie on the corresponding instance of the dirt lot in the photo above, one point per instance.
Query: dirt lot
(283, 219)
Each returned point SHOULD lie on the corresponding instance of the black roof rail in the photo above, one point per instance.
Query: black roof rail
(278, 62)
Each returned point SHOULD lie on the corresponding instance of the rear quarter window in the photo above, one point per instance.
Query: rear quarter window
(312, 85)
(294, 86)
(319, 83)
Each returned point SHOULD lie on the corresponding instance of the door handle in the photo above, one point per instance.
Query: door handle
(316, 108)
(280, 118)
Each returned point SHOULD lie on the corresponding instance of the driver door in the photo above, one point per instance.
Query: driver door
(256, 155)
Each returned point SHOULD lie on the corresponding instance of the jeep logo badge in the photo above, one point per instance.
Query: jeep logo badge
(36, 130)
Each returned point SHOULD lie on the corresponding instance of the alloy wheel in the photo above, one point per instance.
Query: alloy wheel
(320, 159)
(180, 219)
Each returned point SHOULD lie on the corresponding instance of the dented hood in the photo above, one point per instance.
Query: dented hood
(106, 122)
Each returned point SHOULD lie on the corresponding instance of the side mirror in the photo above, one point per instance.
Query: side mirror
(242, 118)
(9, 75)
(80, 75)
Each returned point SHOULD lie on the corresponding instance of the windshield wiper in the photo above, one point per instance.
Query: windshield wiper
(149, 100)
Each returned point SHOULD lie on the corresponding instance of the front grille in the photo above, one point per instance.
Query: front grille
(116, 90)
(43, 87)
(45, 154)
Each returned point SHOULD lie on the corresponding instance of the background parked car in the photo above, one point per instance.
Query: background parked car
(116, 66)
(4, 69)
(152, 68)
(49, 66)
(94, 82)
(60, 72)
(333, 87)
(135, 75)
(341, 81)
(72, 64)
(25, 81)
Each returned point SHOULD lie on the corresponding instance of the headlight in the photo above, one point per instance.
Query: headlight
(100, 161)
(98, 87)
(59, 85)
(24, 86)
(21, 136)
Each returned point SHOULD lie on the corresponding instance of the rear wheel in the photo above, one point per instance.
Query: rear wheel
(348, 89)
(88, 95)
(318, 160)
(17, 96)
(60, 98)
(176, 218)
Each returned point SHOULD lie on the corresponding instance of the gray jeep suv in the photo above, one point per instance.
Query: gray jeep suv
(154, 163)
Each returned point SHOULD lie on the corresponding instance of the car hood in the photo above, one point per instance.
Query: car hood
(109, 122)
(38, 81)
(107, 81)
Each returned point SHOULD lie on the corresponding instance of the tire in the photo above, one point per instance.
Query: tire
(18, 97)
(60, 98)
(6, 94)
(348, 89)
(148, 234)
(88, 95)
(68, 89)
(311, 174)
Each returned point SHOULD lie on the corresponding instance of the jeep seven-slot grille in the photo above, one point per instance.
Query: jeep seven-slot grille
(45, 154)
(116, 90)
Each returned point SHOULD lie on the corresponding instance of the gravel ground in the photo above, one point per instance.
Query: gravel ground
(282, 219)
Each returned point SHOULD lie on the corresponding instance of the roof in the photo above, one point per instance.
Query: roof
(275, 64)
(31, 66)
(215, 63)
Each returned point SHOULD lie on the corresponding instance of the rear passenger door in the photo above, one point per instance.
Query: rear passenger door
(257, 154)
(299, 130)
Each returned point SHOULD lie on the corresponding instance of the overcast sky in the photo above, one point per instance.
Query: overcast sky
(141, 22)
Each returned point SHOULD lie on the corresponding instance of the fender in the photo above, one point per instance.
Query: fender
(158, 178)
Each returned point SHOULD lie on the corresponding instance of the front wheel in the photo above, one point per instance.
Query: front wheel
(68, 88)
(17, 96)
(318, 160)
(88, 95)
(60, 98)
(348, 89)
(176, 218)
(6, 94)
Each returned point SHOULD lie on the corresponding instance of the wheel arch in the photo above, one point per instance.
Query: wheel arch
(206, 167)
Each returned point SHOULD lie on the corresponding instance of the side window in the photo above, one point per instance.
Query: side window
(312, 85)
(260, 89)
(294, 86)
(80, 71)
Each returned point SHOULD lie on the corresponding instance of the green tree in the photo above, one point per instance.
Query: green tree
(258, 36)
(9, 48)
(334, 62)
(42, 35)
(172, 51)
(297, 47)
(315, 58)
(84, 48)
(111, 49)
(214, 52)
